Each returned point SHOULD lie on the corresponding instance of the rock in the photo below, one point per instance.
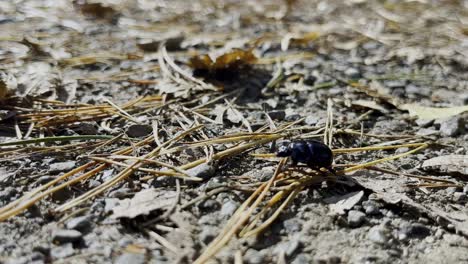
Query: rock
(459, 197)
(356, 218)
(371, 207)
(288, 247)
(7, 193)
(452, 126)
(292, 225)
(63, 251)
(136, 131)
(208, 234)
(465, 189)
(415, 230)
(378, 234)
(133, 258)
(253, 256)
(209, 205)
(425, 123)
(61, 166)
(352, 73)
(81, 224)
(204, 171)
(277, 115)
(261, 175)
(228, 209)
(301, 259)
(312, 120)
(63, 236)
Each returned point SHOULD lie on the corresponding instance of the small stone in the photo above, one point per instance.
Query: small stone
(292, 225)
(459, 197)
(352, 73)
(302, 258)
(204, 171)
(81, 224)
(371, 207)
(253, 256)
(378, 234)
(356, 218)
(133, 258)
(452, 126)
(288, 247)
(415, 230)
(425, 123)
(465, 189)
(401, 150)
(63, 236)
(136, 131)
(208, 234)
(63, 251)
(277, 115)
(62, 166)
(209, 205)
(228, 209)
(312, 120)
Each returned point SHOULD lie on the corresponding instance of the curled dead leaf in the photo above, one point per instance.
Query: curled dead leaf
(233, 59)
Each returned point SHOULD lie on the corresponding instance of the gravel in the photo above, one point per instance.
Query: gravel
(133, 258)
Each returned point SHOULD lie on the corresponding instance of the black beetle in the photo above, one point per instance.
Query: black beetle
(313, 153)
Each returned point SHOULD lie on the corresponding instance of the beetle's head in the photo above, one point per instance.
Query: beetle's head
(284, 151)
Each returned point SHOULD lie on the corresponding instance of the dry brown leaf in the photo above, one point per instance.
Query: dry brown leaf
(96, 10)
(8, 85)
(143, 203)
(233, 59)
(424, 112)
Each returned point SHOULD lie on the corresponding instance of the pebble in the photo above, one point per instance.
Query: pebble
(253, 256)
(292, 225)
(133, 258)
(136, 131)
(288, 247)
(465, 189)
(352, 73)
(81, 224)
(277, 115)
(459, 197)
(61, 166)
(204, 171)
(378, 234)
(63, 251)
(425, 123)
(209, 205)
(301, 259)
(63, 236)
(452, 126)
(415, 230)
(312, 120)
(356, 218)
(228, 209)
(7, 193)
(261, 175)
(371, 207)
(208, 234)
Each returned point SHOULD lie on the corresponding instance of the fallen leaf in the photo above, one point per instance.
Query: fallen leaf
(143, 203)
(8, 85)
(457, 163)
(370, 104)
(338, 204)
(233, 59)
(424, 112)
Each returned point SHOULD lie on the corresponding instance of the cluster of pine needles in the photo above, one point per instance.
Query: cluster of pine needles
(267, 199)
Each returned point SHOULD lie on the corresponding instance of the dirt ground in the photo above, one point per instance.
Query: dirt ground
(121, 142)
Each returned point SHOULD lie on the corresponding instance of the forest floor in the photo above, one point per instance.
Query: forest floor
(145, 131)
